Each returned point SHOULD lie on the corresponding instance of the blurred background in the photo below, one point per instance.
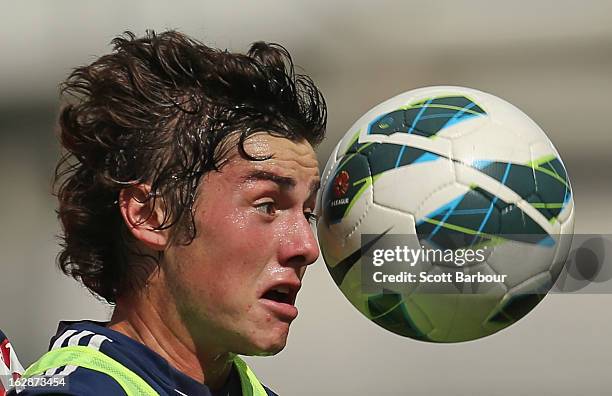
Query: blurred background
(552, 59)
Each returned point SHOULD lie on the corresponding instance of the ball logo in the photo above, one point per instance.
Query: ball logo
(341, 184)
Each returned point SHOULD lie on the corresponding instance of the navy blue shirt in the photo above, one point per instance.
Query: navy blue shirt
(150, 366)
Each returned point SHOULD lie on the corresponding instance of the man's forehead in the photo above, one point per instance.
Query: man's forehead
(263, 144)
(283, 157)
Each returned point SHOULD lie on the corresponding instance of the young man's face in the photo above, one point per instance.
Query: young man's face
(235, 284)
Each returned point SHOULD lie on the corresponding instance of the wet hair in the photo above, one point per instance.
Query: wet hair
(159, 110)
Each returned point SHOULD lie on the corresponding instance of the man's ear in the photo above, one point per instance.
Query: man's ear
(142, 215)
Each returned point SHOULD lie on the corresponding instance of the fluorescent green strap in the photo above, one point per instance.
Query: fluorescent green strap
(131, 383)
(92, 359)
(250, 384)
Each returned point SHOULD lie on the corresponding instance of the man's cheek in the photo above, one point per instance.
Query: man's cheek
(225, 285)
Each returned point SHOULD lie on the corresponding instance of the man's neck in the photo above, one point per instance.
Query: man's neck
(137, 317)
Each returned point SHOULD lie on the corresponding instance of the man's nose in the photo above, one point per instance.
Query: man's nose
(298, 246)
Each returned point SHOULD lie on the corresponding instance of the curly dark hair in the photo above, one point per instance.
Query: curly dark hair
(157, 110)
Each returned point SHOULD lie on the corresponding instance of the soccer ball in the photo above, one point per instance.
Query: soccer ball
(447, 169)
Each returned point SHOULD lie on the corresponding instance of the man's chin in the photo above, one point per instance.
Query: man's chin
(267, 346)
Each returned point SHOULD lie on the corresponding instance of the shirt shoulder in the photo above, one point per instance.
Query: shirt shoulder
(82, 382)
(132, 355)
(76, 380)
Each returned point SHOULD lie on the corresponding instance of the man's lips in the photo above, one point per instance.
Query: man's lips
(283, 291)
(283, 311)
(279, 297)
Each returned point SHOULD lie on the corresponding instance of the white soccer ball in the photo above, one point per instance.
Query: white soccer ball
(446, 168)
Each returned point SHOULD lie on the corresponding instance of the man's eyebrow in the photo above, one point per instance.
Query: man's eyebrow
(282, 181)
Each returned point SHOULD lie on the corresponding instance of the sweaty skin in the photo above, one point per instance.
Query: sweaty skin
(205, 301)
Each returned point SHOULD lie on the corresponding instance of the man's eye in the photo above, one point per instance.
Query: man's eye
(267, 208)
(312, 217)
